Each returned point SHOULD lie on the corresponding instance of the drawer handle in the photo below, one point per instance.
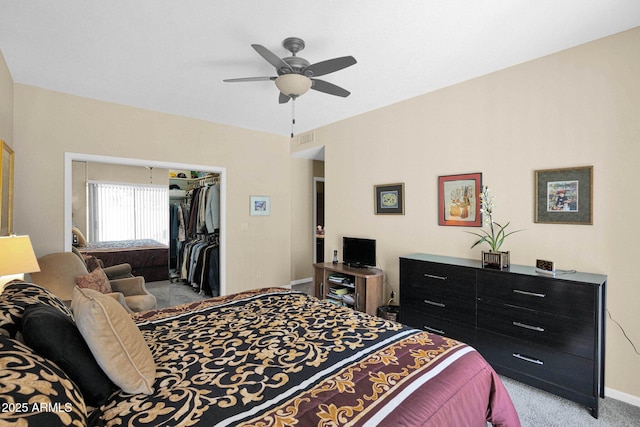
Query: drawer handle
(530, 294)
(528, 359)
(524, 325)
(437, 331)
(431, 276)
(437, 304)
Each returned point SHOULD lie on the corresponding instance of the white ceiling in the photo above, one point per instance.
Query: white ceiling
(171, 56)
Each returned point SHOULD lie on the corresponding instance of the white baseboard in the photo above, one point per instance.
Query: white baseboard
(301, 281)
(621, 396)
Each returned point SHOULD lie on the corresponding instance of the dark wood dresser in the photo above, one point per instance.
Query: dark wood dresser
(544, 331)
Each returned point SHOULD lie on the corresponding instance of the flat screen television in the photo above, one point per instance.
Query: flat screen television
(357, 252)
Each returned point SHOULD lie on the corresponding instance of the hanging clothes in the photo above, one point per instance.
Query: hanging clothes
(195, 223)
(200, 265)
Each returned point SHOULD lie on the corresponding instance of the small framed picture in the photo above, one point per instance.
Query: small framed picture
(564, 196)
(260, 205)
(389, 199)
(459, 200)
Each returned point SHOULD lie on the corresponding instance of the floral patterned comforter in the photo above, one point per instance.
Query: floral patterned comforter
(274, 357)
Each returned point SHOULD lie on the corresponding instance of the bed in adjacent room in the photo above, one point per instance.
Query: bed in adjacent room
(148, 258)
(276, 357)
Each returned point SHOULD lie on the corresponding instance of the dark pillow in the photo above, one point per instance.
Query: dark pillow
(29, 382)
(17, 296)
(55, 337)
(92, 263)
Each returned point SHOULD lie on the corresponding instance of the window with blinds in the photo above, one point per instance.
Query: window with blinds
(118, 211)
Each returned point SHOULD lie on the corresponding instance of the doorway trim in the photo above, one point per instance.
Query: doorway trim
(68, 221)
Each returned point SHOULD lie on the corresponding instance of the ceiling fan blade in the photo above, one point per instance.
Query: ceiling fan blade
(329, 66)
(271, 57)
(330, 88)
(283, 98)
(250, 79)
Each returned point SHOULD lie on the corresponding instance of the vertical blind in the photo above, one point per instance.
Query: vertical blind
(119, 211)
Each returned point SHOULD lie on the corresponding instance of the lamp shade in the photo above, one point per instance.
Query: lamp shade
(293, 85)
(16, 256)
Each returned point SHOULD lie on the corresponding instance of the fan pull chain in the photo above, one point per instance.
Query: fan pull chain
(293, 115)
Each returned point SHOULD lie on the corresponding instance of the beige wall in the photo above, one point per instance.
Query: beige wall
(47, 124)
(6, 103)
(301, 218)
(575, 108)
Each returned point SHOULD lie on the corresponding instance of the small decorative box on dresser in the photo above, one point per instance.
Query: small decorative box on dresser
(544, 331)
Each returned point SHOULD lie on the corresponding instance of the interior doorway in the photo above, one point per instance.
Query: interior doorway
(318, 215)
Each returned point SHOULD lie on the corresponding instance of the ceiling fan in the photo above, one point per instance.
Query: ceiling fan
(295, 75)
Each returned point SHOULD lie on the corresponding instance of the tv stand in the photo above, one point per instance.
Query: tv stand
(364, 285)
(359, 266)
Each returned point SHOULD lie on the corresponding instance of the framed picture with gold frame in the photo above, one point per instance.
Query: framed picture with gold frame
(389, 199)
(6, 190)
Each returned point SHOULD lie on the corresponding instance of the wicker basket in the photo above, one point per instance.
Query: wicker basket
(389, 312)
(495, 260)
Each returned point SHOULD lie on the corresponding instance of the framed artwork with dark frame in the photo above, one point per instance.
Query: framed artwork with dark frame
(389, 199)
(459, 200)
(564, 196)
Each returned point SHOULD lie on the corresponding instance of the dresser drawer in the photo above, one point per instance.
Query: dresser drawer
(447, 306)
(551, 366)
(437, 325)
(424, 279)
(558, 332)
(571, 299)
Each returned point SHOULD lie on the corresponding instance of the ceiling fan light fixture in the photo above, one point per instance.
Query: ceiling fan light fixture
(293, 85)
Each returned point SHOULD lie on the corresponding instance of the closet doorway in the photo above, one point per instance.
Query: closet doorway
(68, 195)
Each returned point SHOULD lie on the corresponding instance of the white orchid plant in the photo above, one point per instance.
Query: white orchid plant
(494, 238)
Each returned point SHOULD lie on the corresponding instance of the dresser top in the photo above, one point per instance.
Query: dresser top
(513, 268)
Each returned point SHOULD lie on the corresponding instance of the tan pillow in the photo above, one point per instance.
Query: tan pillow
(114, 340)
(96, 280)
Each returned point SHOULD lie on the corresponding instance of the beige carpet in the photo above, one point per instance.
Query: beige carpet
(170, 294)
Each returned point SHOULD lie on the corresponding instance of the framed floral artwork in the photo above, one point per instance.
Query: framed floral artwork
(389, 199)
(459, 200)
(564, 196)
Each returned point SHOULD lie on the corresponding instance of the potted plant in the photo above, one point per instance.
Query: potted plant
(496, 235)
